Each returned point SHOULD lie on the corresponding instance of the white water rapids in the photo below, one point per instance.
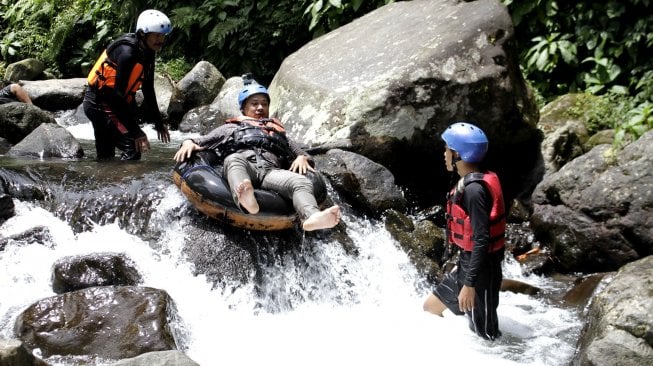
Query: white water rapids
(363, 310)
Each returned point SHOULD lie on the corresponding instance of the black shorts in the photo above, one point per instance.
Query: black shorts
(483, 318)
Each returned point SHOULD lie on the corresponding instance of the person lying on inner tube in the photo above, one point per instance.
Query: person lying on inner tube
(258, 154)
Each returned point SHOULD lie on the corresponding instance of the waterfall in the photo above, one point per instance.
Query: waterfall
(313, 303)
(352, 310)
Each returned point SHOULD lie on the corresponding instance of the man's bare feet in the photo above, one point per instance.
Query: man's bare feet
(245, 194)
(325, 219)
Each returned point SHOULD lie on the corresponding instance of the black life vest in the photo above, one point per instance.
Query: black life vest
(103, 74)
(266, 133)
(459, 225)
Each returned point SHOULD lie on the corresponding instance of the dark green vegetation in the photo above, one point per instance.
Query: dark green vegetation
(237, 36)
(597, 47)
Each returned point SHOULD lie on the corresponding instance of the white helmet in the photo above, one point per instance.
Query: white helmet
(153, 21)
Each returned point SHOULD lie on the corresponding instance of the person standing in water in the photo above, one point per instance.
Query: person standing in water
(126, 66)
(476, 226)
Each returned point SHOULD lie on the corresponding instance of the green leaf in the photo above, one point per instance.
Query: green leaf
(318, 6)
(568, 52)
(619, 89)
(336, 3)
(542, 61)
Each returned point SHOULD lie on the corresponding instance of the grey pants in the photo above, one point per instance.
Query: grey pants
(292, 186)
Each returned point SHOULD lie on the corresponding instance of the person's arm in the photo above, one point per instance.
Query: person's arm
(477, 202)
(151, 111)
(211, 140)
(125, 57)
(301, 160)
(20, 93)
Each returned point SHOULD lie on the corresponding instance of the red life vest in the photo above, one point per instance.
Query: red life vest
(459, 224)
(103, 74)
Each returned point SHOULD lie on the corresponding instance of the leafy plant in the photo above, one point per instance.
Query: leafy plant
(612, 38)
(638, 121)
(549, 50)
(9, 46)
(330, 14)
(176, 68)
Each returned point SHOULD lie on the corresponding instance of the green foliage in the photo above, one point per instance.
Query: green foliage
(237, 36)
(599, 47)
(638, 121)
(599, 112)
(62, 33)
(9, 46)
(327, 15)
(23, 25)
(176, 68)
(549, 51)
(583, 45)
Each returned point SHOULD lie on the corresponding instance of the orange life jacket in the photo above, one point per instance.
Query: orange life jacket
(459, 224)
(103, 73)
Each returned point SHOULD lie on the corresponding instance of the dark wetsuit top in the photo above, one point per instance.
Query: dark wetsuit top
(478, 268)
(126, 57)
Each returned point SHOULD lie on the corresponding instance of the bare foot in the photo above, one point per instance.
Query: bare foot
(245, 194)
(325, 219)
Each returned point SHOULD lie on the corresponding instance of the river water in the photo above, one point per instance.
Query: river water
(344, 310)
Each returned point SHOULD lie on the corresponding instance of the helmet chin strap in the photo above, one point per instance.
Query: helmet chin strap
(455, 157)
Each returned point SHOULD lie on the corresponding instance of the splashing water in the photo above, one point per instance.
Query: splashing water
(355, 310)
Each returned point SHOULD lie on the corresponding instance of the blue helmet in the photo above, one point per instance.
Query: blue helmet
(467, 140)
(249, 90)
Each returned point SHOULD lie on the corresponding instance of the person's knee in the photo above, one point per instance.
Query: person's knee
(235, 159)
(433, 305)
(301, 183)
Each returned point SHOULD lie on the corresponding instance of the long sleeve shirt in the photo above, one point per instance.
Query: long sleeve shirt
(477, 202)
(219, 136)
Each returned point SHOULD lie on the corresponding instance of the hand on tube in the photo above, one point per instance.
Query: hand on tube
(301, 165)
(186, 150)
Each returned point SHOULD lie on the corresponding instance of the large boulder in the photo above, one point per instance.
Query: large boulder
(565, 135)
(49, 140)
(394, 79)
(368, 186)
(164, 87)
(199, 87)
(96, 269)
(56, 94)
(596, 212)
(620, 323)
(112, 322)
(27, 69)
(17, 120)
